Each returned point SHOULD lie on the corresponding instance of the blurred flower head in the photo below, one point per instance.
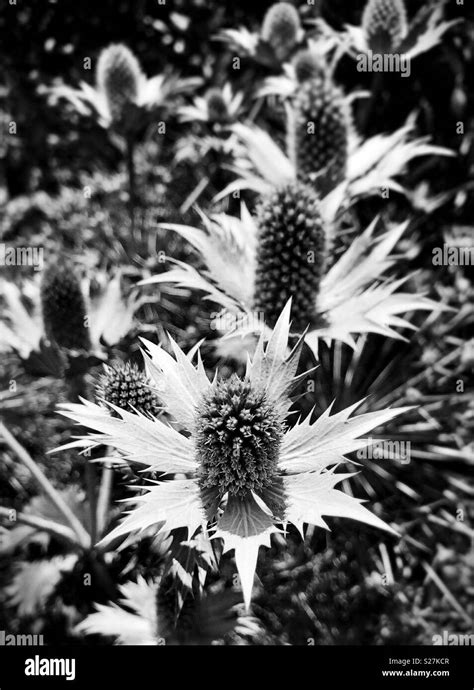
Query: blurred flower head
(386, 29)
(385, 24)
(281, 28)
(63, 308)
(323, 148)
(318, 134)
(119, 77)
(279, 36)
(307, 64)
(123, 97)
(219, 106)
(60, 309)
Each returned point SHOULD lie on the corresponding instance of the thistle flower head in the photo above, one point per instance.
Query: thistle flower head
(307, 65)
(238, 438)
(216, 106)
(245, 472)
(255, 263)
(280, 28)
(125, 386)
(385, 24)
(291, 254)
(319, 133)
(118, 76)
(64, 308)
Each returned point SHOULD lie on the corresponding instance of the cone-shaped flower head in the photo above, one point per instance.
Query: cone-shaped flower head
(280, 28)
(291, 254)
(238, 438)
(318, 135)
(125, 386)
(118, 76)
(216, 106)
(385, 24)
(307, 65)
(246, 471)
(249, 265)
(64, 309)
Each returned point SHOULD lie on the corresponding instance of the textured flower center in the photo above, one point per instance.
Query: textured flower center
(216, 106)
(385, 24)
(307, 65)
(280, 28)
(291, 254)
(238, 439)
(318, 135)
(63, 307)
(125, 386)
(118, 74)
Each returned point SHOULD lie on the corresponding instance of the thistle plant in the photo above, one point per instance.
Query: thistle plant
(216, 106)
(253, 263)
(324, 149)
(273, 474)
(268, 451)
(318, 133)
(123, 97)
(209, 143)
(279, 35)
(307, 64)
(22, 332)
(385, 24)
(386, 28)
(281, 28)
(65, 312)
(64, 308)
(118, 77)
(291, 254)
(124, 102)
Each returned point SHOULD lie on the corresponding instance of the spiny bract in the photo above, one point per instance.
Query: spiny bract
(64, 309)
(125, 386)
(291, 254)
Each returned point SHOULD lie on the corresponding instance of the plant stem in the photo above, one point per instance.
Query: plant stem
(376, 88)
(45, 484)
(42, 525)
(91, 483)
(103, 501)
(132, 184)
(78, 388)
